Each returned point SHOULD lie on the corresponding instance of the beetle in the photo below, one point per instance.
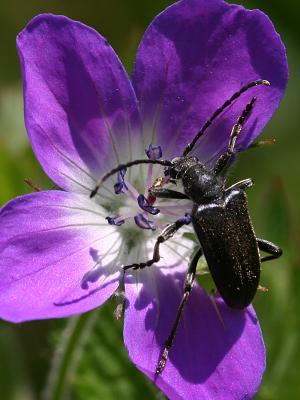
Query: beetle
(220, 219)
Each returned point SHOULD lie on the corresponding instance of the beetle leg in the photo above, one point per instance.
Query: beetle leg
(166, 234)
(242, 185)
(270, 248)
(224, 159)
(188, 284)
(167, 194)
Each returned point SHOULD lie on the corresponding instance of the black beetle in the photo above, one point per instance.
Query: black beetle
(220, 219)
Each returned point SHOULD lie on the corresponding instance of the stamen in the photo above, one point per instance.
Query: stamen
(143, 223)
(115, 221)
(149, 178)
(145, 205)
(154, 152)
(187, 219)
(173, 214)
(132, 192)
(175, 211)
(120, 185)
(181, 205)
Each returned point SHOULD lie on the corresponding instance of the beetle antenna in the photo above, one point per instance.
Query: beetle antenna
(227, 103)
(165, 163)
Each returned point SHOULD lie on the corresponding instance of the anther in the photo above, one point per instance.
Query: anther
(144, 223)
(154, 152)
(120, 185)
(115, 221)
(145, 205)
(187, 219)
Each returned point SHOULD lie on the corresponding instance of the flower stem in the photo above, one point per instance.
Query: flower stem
(67, 356)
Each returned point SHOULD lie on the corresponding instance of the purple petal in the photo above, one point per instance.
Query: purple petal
(80, 108)
(216, 354)
(192, 58)
(57, 256)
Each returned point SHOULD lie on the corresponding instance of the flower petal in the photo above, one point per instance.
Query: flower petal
(80, 108)
(57, 256)
(192, 58)
(218, 353)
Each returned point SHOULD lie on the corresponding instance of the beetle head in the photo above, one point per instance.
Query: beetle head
(180, 166)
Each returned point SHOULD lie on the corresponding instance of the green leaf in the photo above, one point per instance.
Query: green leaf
(67, 356)
(275, 213)
(91, 362)
(105, 372)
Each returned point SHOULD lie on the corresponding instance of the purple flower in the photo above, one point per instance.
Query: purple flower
(62, 253)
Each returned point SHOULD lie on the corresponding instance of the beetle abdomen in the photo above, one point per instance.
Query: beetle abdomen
(229, 244)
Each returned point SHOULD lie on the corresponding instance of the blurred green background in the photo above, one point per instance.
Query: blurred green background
(90, 361)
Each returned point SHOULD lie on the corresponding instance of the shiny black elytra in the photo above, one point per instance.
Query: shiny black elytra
(220, 219)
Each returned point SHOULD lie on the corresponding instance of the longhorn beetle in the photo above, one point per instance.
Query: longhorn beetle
(220, 220)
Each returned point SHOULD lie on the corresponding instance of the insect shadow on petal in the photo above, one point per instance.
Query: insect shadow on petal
(219, 216)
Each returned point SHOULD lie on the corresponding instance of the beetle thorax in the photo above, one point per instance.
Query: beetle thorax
(199, 183)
